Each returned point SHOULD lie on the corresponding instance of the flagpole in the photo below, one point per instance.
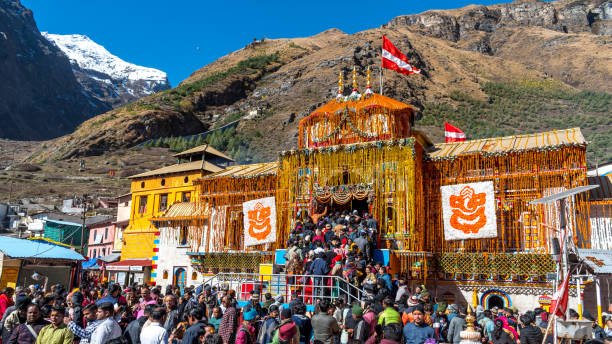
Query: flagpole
(381, 81)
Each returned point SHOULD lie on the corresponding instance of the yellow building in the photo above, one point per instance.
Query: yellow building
(153, 193)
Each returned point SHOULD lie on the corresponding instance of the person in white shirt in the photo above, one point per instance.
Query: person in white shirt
(108, 329)
(155, 333)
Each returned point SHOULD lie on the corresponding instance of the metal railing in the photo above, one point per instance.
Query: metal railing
(309, 288)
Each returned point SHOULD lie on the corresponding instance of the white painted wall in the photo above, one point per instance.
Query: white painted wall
(170, 256)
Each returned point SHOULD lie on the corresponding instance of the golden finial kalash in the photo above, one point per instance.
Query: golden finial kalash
(368, 92)
(340, 95)
(469, 335)
(355, 93)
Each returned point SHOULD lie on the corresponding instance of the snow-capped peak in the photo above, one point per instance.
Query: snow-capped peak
(89, 55)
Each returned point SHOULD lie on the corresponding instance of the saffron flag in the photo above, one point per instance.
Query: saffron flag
(452, 133)
(259, 221)
(559, 303)
(468, 211)
(392, 58)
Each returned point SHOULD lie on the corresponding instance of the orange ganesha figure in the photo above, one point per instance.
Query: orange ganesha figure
(468, 210)
(259, 221)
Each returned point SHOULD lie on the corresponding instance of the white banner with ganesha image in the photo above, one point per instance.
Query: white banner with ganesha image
(469, 211)
(259, 221)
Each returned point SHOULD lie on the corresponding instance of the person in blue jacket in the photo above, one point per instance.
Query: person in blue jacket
(417, 332)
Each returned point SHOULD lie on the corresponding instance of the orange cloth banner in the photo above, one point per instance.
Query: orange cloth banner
(469, 211)
(259, 221)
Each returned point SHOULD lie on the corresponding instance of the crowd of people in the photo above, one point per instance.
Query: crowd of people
(320, 311)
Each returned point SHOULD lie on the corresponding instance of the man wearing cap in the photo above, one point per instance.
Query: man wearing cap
(14, 318)
(359, 332)
(417, 331)
(268, 326)
(247, 332)
(456, 326)
(287, 331)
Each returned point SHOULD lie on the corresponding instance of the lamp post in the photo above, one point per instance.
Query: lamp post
(84, 216)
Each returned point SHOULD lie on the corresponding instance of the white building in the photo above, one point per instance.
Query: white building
(176, 225)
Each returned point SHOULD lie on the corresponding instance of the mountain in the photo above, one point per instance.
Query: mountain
(526, 66)
(104, 75)
(40, 97)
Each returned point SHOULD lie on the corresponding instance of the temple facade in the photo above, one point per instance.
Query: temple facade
(456, 216)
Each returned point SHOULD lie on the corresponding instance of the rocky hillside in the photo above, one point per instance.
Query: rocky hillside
(105, 76)
(40, 97)
(496, 70)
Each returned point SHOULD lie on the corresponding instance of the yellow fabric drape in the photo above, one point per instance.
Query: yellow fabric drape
(388, 166)
(518, 177)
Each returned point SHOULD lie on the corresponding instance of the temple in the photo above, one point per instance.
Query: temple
(456, 216)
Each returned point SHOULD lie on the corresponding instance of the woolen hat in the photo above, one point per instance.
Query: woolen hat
(413, 301)
(250, 314)
(357, 310)
(442, 307)
(287, 331)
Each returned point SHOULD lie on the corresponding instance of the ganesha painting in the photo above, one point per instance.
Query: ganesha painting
(259, 221)
(469, 211)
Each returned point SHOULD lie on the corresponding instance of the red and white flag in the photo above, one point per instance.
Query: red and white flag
(452, 133)
(392, 58)
(558, 304)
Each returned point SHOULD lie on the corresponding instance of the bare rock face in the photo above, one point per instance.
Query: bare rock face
(592, 16)
(40, 97)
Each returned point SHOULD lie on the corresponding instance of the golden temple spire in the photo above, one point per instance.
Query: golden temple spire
(355, 94)
(368, 90)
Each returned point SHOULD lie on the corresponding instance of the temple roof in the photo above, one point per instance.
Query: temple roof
(178, 168)
(183, 211)
(508, 144)
(246, 171)
(374, 100)
(205, 148)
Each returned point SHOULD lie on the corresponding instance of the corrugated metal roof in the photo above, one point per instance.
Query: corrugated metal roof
(604, 191)
(183, 210)
(506, 144)
(600, 261)
(177, 168)
(21, 248)
(246, 171)
(203, 148)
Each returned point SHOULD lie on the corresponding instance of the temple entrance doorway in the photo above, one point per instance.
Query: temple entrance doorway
(495, 301)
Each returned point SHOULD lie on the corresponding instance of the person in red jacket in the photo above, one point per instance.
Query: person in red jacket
(6, 299)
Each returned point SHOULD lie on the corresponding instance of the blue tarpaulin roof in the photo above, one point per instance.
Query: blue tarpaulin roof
(21, 248)
(89, 263)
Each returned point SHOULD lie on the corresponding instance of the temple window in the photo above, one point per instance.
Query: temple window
(163, 202)
(183, 236)
(142, 204)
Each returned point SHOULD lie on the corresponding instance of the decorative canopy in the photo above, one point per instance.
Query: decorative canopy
(369, 117)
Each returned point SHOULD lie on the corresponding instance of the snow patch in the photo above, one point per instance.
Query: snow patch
(89, 55)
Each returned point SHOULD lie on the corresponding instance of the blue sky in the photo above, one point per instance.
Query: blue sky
(182, 36)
